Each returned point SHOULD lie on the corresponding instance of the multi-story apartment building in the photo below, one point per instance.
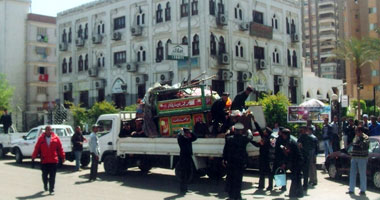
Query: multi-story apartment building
(41, 66)
(115, 50)
(322, 27)
(13, 14)
(361, 20)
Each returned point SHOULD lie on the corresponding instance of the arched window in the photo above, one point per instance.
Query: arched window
(103, 61)
(70, 35)
(212, 7)
(99, 62)
(159, 18)
(239, 50)
(80, 63)
(276, 56)
(294, 59)
(141, 57)
(159, 52)
(143, 19)
(86, 62)
(86, 31)
(222, 45)
(196, 45)
(274, 22)
(167, 12)
(220, 7)
(289, 59)
(64, 66)
(212, 45)
(307, 94)
(70, 64)
(184, 40)
(238, 12)
(287, 26)
(318, 92)
(64, 36)
(194, 7)
(293, 27)
(103, 28)
(99, 29)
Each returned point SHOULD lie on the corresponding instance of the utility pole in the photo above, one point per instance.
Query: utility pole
(188, 43)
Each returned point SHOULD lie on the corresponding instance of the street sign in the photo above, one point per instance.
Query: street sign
(344, 101)
(177, 51)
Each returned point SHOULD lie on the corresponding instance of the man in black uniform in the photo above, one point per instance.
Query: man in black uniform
(306, 145)
(239, 101)
(219, 115)
(280, 157)
(235, 156)
(185, 139)
(295, 163)
(6, 120)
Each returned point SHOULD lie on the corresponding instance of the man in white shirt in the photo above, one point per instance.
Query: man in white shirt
(94, 150)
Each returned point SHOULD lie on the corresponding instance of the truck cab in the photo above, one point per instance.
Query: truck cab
(5, 139)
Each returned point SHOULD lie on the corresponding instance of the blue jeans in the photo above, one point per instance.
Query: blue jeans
(78, 155)
(328, 147)
(361, 165)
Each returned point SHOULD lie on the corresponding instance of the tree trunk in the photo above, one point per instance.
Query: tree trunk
(358, 73)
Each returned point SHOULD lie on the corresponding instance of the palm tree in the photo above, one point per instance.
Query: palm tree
(359, 52)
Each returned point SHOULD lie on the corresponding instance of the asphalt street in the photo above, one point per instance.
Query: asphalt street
(20, 181)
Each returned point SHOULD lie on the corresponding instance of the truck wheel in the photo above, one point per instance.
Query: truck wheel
(145, 166)
(112, 165)
(191, 176)
(376, 179)
(2, 152)
(85, 160)
(18, 155)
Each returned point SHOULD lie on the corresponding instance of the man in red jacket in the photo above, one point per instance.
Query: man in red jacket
(49, 147)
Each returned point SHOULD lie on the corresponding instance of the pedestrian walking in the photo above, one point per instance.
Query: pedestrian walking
(306, 145)
(49, 149)
(327, 137)
(266, 157)
(185, 140)
(235, 158)
(77, 143)
(359, 158)
(219, 114)
(295, 161)
(239, 101)
(313, 179)
(94, 150)
(6, 120)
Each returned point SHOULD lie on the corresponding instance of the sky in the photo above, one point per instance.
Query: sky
(52, 7)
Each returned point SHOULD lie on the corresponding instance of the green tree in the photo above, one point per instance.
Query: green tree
(132, 107)
(80, 114)
(360, 52)
(101, 108)
(362, 105)
(275, 109)
(6, 92)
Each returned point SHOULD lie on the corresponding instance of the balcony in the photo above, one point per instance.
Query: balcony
(326, 10)
(261, 30)
(326, 28)
(44, 78)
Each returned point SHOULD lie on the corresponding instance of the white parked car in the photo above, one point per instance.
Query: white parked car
(5, 139)
(23, 147)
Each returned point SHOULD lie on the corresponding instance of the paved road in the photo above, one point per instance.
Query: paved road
(20, 181)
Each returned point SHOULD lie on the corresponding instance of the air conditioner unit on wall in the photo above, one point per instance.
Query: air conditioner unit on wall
(99, 84)
(224, 59)
(124, 87)
(295, 37)
(136, 30)
(279, 80)
(222, 20)
(244, 26)
(93, 72)
(294, 82)
(132, 67)
(226, 75)
(67, 87)
(260, 64)
(246, 76)
(63, 46)
(166, 76)
(97, 39)
(140, 79)
(116, 36)
(79, 42)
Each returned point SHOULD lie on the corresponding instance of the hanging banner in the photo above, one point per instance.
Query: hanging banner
(297, 114)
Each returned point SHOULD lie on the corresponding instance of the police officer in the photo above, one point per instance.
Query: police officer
(239, 101)
(185, 139)
(235, 157)
(306, 145)
(218, 113)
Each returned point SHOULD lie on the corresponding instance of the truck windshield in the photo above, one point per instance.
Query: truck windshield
(32, 135)
(105, 126)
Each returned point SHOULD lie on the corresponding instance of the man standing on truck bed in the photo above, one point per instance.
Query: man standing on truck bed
(77, 141)
(218, 114)
(6, 120)
(239, 101)
(49, 147)
(185, 139)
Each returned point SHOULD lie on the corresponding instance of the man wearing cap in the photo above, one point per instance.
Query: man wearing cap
(94, 150)
(185, 139)
(219, 115)
(239, 101)
(365, 121)
(235, 157)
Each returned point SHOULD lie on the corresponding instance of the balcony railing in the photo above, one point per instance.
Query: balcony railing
(44, 78)
(261, 30)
